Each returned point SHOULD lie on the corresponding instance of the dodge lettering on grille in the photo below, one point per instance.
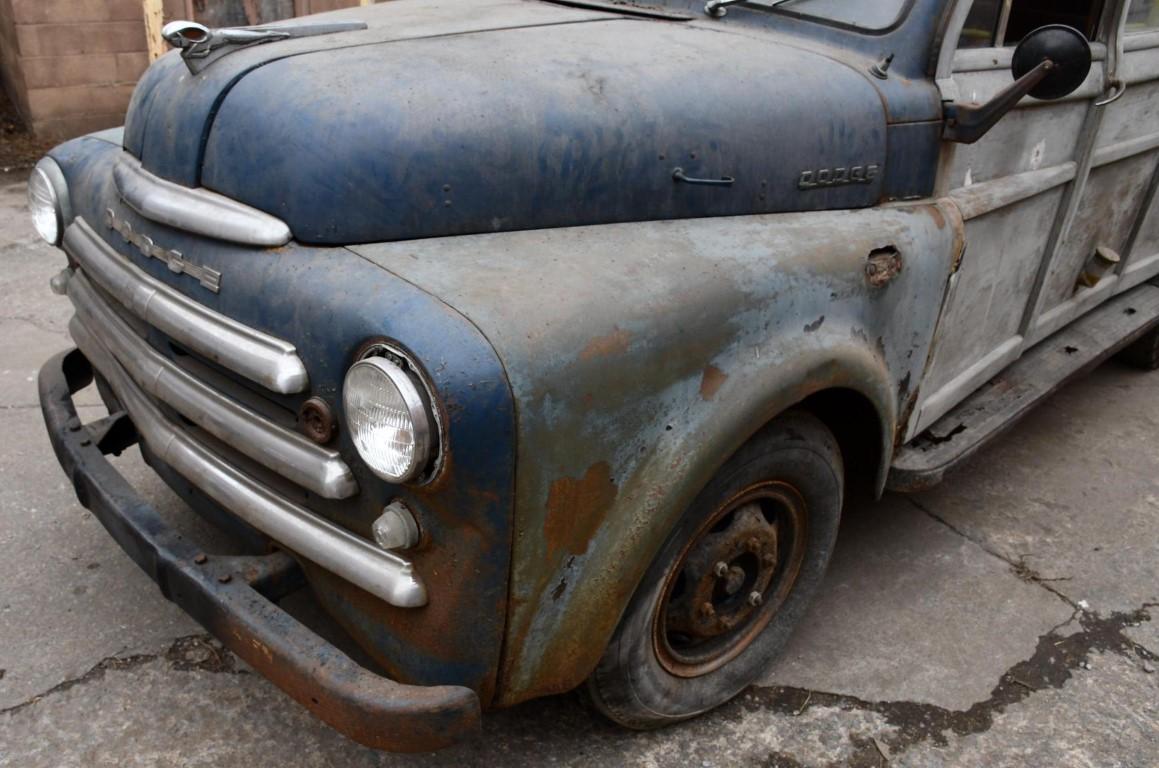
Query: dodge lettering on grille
(209, 278)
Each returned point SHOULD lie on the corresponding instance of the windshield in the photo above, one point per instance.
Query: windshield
(868, 15)
(863, 14)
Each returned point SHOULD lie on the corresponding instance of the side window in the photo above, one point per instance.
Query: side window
(1143, 15)
(981, 28)
(999, 23)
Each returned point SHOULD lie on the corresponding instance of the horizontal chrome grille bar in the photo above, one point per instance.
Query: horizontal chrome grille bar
(195, 210)
(271, 362)
(289, 454)
(377, 571)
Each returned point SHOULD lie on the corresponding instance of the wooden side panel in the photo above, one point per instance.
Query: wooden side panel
(984, 310)
(1112, 201)
(1031, 138)
(1118, 193)
(1012, 185)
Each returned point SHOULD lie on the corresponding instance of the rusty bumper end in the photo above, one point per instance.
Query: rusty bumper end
(232, 596)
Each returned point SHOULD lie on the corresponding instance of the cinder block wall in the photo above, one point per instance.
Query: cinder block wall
(69, 66)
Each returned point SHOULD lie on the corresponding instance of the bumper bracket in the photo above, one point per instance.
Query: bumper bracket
(232, 596)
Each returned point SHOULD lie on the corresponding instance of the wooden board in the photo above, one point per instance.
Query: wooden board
(1010, 395)
(154, 15)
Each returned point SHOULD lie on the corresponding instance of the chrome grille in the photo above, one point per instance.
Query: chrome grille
(270, 362)
(143, 380)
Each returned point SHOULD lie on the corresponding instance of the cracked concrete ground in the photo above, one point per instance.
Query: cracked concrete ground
(1003, 619)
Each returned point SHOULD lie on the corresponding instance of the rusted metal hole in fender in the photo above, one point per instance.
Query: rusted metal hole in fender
(883, 266)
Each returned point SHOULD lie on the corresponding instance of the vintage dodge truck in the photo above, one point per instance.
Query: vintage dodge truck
(544, 339)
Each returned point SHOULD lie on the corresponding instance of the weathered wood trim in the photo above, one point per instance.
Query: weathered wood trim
(980, 199)
(154, 15)
(1113, 153)
(1141, 41)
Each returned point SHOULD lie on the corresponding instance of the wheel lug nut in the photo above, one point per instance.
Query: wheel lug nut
(707, 610)
(769, 558)
(754, 545)
(720, 569)
(755, 599)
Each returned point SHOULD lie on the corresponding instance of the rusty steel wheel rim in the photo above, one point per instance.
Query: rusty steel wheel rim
(731, 579)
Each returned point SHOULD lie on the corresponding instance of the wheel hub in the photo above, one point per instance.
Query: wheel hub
(731, 578)
(723, 570)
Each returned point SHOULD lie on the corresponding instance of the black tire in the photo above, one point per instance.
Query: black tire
(1144, 353)
(664, 663)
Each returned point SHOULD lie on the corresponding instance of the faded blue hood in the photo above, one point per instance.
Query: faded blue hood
(532, 116)
(173, 110)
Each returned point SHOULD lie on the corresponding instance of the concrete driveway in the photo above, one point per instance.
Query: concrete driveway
(1003, 619)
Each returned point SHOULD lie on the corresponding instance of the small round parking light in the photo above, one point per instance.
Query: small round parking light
(396, 528)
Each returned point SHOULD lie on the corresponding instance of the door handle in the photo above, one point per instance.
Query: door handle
(678, 175)
(1116, 91)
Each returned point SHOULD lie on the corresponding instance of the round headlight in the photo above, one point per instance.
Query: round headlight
(48, 201)
(388, 419)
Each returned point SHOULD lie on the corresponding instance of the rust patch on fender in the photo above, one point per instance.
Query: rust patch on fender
(614, 343)
(938, 217)
(576, 509)
(711, 382)
(950, 211)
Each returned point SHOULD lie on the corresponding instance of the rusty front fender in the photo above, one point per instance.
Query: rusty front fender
(603, 531)
(641, 356)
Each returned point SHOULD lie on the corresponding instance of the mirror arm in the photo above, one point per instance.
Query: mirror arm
(966, 123)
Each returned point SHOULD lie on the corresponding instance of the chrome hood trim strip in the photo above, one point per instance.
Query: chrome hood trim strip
(288, 453)
(379, 572)
(195, 210)
(271, 362)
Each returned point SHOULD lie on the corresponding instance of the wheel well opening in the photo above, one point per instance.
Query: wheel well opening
(854, 421)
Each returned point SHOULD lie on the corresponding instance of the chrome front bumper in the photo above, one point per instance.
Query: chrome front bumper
(233, 597)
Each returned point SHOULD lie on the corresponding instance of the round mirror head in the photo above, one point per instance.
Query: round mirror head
(1066, 47)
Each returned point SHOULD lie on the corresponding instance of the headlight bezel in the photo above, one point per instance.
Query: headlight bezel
(417, 394)
(48, 172)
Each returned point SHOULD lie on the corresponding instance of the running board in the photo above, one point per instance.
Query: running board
(1009, 396)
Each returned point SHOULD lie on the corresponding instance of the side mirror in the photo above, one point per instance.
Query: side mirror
(1050, 63)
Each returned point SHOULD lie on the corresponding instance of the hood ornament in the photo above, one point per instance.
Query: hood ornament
(200, 46)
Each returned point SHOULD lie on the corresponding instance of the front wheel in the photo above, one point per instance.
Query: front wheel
(733, 579)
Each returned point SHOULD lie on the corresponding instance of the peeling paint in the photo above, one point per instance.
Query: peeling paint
(615, 343)
(576, 508)
(711, 382)
(938, 217)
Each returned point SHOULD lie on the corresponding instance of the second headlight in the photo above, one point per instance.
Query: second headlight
(48, 201)
(389, 420)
